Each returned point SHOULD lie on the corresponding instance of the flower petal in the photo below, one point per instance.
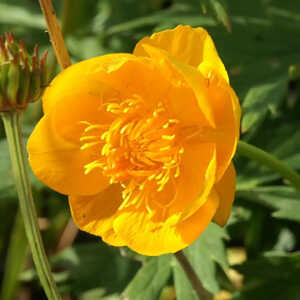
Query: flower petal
(189, 45)
(138, 76)
(54, 145)
(192, 77)
(227, 113)
(191, 228)
(216, 100)
(74, 78)
(225, 189)
(95, 214)
(189, 191)
(155, 235)
(197, 177)
(182, 105)
(126, 74)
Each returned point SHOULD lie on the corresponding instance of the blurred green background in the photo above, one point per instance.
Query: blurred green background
(257, 255)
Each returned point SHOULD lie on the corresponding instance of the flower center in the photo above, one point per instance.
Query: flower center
(141, 148)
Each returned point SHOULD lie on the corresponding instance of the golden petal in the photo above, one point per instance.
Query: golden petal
(190, 46)
(95, 214)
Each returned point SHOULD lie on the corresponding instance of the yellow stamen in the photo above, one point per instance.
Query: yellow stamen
(141, 149)
(169, 137)
(89, 145)
(88, 137)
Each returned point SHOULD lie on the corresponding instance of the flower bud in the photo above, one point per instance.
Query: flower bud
(22, 77)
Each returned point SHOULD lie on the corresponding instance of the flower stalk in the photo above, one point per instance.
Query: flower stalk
(270, 161)
(12, 125)
(202, 293)
(55, 33)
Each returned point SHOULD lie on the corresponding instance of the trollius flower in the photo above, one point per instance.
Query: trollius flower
(142, 143)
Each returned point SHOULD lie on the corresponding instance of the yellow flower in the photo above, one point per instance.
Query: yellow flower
(142, 143)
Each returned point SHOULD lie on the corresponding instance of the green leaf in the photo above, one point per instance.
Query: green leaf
(285, 201)
(221, 13)
(171, 20)
(7, 188)
(272, 276)
(260, 99)
(15, 261)
(84, 47)
(6, 175)
(294, 161)
(245, 181)
(204, 253)
(150, 279)
(99, 294)
(286, 241)
(94, 265)
(13, 14)
(288, 147)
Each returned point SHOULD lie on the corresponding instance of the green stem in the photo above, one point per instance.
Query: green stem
(12, 125)
(15, 260)
(269, 160)
(202, 293)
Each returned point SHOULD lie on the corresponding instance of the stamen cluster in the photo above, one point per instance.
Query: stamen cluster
(141, 148)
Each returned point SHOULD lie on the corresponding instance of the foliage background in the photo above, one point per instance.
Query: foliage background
(259, 43)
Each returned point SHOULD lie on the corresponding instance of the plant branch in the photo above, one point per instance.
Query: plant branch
(269, 160)
(12, 125)
(55, 33)
(202, 293)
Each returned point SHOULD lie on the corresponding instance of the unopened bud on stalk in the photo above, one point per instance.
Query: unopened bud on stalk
(22, 77)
